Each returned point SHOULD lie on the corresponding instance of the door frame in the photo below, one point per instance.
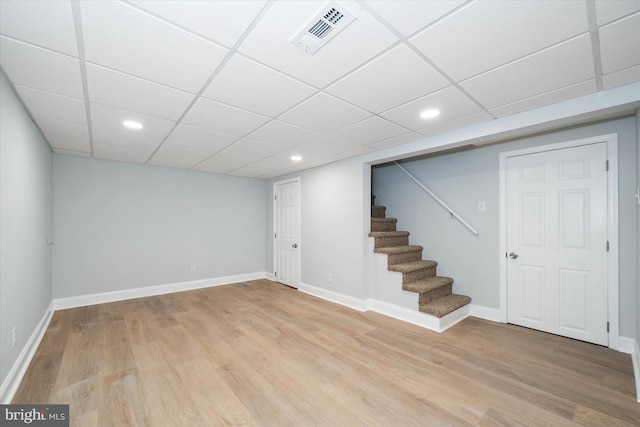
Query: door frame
(613, 305)
(275, 219)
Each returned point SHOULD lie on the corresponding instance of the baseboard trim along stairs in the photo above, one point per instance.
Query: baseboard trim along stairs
(435, 293)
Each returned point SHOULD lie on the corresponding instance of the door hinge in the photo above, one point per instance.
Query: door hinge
(275, 274)
(505, 255)
(607, 165)
(275, 197)
(275, 235)
(607, 326)
(607, 246)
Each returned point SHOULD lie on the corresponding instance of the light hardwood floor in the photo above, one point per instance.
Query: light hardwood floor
(260, 353)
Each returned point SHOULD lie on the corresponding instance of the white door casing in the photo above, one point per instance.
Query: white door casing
(557, 220)
(286, 226)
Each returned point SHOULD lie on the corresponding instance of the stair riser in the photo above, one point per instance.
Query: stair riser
(427, 297)
(404, 257)
(385, 242)
(378, 211)
(418, 275)
(383, 226)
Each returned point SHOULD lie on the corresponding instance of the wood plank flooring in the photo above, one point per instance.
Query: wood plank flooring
(260, 353)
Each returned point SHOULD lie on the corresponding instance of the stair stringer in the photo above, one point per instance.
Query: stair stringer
(388, 297)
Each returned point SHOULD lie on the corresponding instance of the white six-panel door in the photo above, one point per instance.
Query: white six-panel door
(557, 242)
(287, 239)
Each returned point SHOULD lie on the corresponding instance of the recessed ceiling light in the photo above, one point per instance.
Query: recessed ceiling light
(430, 113)
(296, 158)
(132, 125)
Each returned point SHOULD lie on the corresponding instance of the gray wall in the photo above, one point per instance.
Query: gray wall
(25, 256)
(333, 230)
(121, 226)
(637, 235)
(463, 179)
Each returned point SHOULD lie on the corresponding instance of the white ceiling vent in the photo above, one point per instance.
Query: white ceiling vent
(323, 27)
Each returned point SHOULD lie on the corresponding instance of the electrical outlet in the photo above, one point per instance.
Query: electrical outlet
(192, 269)
(329, 278)
(14, 336)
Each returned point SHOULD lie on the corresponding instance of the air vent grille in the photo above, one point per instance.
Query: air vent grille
(323, 27)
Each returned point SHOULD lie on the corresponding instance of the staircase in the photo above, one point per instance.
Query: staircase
(418, 275)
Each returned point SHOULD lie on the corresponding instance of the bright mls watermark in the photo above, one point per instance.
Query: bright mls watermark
(36, 415)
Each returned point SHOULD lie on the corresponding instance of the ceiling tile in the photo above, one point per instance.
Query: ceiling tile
(324, 113)
(253, 171)
(552, 97)
(63, 143)
(371, 130)
(135, 94)
(52, 105)
(223, 118)
(246, 84)
(24, 63)
(112, 118)
(451, 102)
(323, 147)
(195, 135)
(175, 154)
(210, 19)
(253, 147)
(620, 44)
(410, 16)
(461, 122)
(535, 74)
(145, 46)
(607, 10)
(125, 138)
(285, 135)
(62, 128)
(398, 65)
(120, 153)
(622, 77)
(225, 161)
(487, 34)
(270, 42)
(44, 23)
(397, 140)
(71, 152)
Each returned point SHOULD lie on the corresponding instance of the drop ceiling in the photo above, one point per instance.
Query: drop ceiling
(219, 87)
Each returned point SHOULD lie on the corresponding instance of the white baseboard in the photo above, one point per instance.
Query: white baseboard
(270, 276)
(401, 313)
(626, 345)
(486, 313)
(125, 294)
(14, 377)
(338, 298)
(419, 318)
(635, 358)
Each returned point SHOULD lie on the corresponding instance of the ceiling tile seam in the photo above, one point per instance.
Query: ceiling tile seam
(439, 19)
(213, 75)
(49, 92)
(28, 43)
(542, 94)
(77, 21)
(24, 106)
(595, 42)
(175, 25)
(417, 51)
(544, 49)
(615, 21)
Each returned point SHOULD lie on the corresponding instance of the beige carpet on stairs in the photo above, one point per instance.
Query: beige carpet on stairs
(436, 295)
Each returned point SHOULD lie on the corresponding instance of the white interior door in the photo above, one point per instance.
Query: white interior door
(287, 233)
(557, 242)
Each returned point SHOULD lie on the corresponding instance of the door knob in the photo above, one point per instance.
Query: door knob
(513, 255)
(295, 245)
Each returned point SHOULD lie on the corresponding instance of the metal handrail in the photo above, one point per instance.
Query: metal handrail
(443, 204)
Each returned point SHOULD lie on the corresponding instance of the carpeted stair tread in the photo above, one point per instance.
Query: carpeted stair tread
(408, 267)
(384, 219)
(393, 250)
(443, 306)
(388, 234)
(426, 285)
(378, 211)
